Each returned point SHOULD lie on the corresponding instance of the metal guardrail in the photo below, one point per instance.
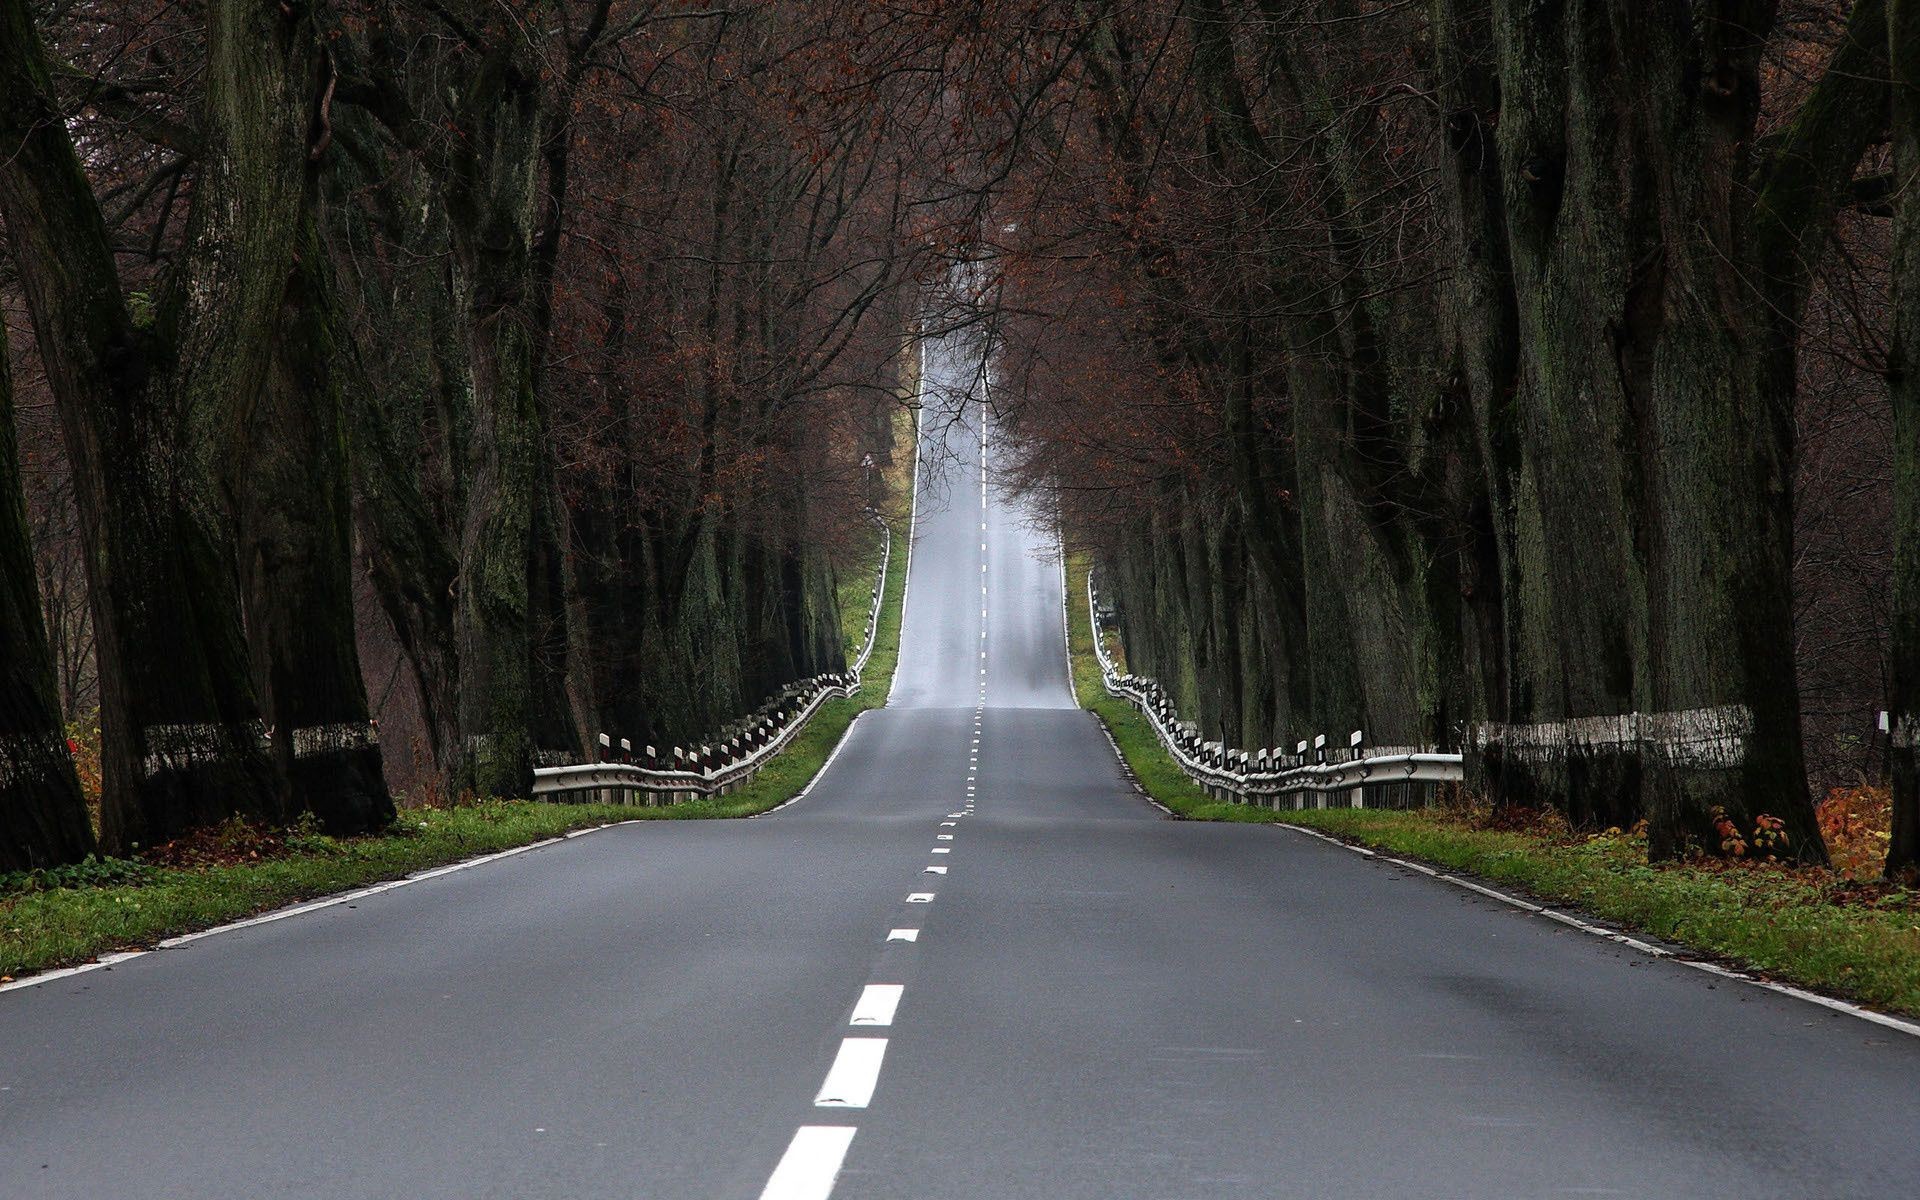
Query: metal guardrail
(741, 750)
(1376, 777)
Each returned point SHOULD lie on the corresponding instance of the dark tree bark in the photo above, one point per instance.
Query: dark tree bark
(43, 819)
(1725, 728)
(183, 737)
(295, 533)
(1581, 282)
(1903, 851)
(1659, 458)
(1481, 341)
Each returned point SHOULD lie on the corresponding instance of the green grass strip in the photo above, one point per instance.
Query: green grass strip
(58, 927)
(1781, 923)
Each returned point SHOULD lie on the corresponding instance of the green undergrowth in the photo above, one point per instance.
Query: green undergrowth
(74, 914)
(1808, 927)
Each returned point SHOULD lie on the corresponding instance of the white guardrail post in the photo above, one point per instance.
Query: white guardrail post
(1390, 777)
(745, 747)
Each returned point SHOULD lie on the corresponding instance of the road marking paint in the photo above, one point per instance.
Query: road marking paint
(903, 935)
(1633, 943)
(854, 1074)
(942, 850)
(811, 1164)
(946, 822)
(877, 1004)
(945, 837)
(845, 737)
(919, 897)
(101, 963)
(933, 870)
(298, 910)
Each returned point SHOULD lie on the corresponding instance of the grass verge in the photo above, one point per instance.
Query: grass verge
(119, 906)
(1139, 746)
(1808, 927)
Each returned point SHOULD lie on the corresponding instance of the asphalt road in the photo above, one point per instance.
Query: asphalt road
(1096, 1002)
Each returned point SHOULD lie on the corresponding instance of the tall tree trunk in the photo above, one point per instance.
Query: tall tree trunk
(43, 819)
(1586, 289)
(1722, 732)
(1481, 341)
(509, 599)
(408, 399)
(183, 738)
(1903, 851)
(296, 554)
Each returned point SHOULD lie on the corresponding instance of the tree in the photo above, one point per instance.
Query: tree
(183, 738)
(43, 820)
(1903, 851)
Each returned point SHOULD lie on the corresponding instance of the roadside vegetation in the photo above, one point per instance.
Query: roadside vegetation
(71, 914)
(1840, 930)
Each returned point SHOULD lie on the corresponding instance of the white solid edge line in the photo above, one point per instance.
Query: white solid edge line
(810, 1166)
(846, 735)
(281, 914)
(1137, 789)
(1712, 968)
(903, 935)
(877, 1004)
(854, 1074)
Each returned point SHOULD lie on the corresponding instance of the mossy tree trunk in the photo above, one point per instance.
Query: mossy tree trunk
(43, 819)
(139, 406)
(1653, 518)
(407, 401)
(1480, 346)
(510, 604)
(290, 489)
(1579, 261)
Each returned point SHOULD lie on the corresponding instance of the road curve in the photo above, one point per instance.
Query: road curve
(1094, 1002)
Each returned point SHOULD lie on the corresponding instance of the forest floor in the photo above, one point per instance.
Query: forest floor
(69, 915)
(1838, 931)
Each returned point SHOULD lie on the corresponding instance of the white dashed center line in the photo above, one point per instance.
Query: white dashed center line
(854, 1074)
(878, 1002)
(903, 935)
(811, 1163)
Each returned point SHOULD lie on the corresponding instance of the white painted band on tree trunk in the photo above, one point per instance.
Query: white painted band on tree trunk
(1709, 738)
(336, 738)
(177, 747)
(1905, 734)
(27, 757)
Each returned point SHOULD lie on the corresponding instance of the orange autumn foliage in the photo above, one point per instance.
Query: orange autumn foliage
(1855, 822)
